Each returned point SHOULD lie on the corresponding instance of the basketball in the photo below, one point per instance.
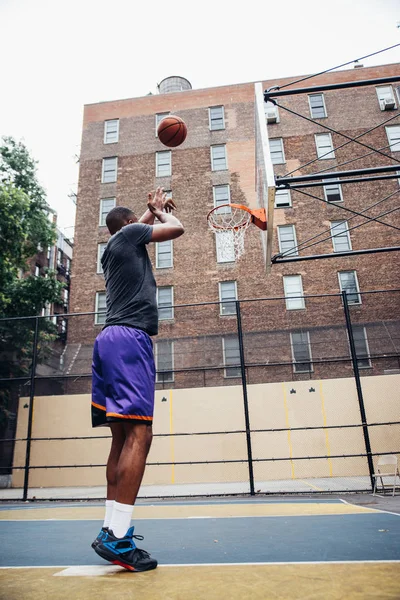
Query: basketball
(172, 131)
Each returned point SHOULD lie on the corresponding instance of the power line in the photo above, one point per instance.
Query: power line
(337, 132)
(396, 116)
(279, 87)
(300, 246)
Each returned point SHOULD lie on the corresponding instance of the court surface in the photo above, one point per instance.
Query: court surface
(208, 549)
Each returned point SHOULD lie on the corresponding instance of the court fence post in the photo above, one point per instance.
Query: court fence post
(359, 387)
(245, 397)
(30, 414)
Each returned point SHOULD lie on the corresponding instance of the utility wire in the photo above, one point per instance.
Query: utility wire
(337, 133)
(396, 116)
(334, 68)
(300, 246)
(347, 162)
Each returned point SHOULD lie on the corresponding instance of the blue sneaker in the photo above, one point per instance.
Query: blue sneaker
(123, 552)
(102, 534)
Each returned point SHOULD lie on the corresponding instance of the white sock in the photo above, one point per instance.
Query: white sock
(121, 519)
(109, 510)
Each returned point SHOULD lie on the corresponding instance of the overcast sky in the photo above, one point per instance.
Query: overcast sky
(59, 55)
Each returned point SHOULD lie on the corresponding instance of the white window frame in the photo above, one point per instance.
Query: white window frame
(282, 151)
(238, 370)
(337, 233)
(171, 253)
(280, 193)
(158, 119)
(381, 96)
(158, 154)
(213, 164)
(37, 270)
(394, 146)
(211, 119)
(227, 201)
(107, 132)
(293, 300)
(331, 182)
(97, 316)
(103, 170)
(322, 153)
(101, 224)
(296, 370)
(169, 306)
(323, 104)
(220, 257)
(357, 287)
(288, 252)
(368, 355)
(99, 270)
(231, 301)
(161, 379)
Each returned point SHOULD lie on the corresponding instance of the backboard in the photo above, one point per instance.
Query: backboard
(265, 179)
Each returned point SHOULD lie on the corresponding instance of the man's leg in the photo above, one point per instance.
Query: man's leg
(118, 440)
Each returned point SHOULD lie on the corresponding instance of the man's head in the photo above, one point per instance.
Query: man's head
(118, 217)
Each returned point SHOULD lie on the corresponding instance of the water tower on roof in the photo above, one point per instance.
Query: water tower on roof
(174, 84)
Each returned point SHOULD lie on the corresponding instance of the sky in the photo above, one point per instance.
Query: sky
(58, 55)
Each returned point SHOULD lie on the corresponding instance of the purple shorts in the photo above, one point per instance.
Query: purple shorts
(123, 376)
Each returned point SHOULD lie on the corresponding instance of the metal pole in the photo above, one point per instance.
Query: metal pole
(275, 93)
(298, 186)
(335, 175)
(245, 397)
(286, 259)
(30, 415)
(358, 386)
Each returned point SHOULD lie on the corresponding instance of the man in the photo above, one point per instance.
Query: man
(124, 371)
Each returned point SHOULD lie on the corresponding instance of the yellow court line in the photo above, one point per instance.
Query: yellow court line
(325, 424)
(172, 441)
(288, 428)
(312, 485)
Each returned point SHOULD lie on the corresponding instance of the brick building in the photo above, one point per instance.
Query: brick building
(122, 159)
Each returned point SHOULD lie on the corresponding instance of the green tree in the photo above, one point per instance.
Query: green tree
(24, 227)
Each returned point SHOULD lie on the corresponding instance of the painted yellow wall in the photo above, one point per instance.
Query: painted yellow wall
(271, 406)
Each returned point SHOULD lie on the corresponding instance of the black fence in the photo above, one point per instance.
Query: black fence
(291, 343)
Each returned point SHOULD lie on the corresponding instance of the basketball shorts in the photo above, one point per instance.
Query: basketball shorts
(123, 376)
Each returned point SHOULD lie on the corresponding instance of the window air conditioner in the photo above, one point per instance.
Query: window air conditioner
(388, 104)
(272, 115)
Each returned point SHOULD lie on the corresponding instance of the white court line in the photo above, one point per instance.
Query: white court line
(388, 512)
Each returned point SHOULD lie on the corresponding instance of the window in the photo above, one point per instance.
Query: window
(164, 257)
(340, 236)
(231, 352)
(165, 301)
(216, 117)
(111, 131)
(164, 356)
(277, 152)
(218, 158)
(106, 204)
(222, 195)
(317, 106)
(225, 248)
(323, 142)
(227, 292)
(348, 283)
(100, 251)
(37, 270)
(59, 257)
(159, 118)
(361, 347)
(293, 288)
(68, 266)
(65, 296)
(332, 191)
(110, 166)
(301, 352)
(287, 240)
(393, 135)
(283, 199)
(386, 97)
(100, 316)
(163, 163)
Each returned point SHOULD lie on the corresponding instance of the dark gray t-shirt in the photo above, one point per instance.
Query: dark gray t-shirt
(131, 288)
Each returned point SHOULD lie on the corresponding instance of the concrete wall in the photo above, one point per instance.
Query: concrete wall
(271, 406)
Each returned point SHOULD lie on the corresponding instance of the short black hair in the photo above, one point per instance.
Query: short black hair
(117, 218)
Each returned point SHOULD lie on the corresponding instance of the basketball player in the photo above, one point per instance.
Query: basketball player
(123, 369)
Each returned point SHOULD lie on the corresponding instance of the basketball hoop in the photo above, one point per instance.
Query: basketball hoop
(230, 222)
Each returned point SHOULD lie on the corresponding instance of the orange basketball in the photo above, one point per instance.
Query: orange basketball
(172, 131)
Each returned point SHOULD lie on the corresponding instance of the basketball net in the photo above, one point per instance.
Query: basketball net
(229, 223)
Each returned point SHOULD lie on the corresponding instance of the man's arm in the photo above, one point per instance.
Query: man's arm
(170, 227)
(148, 217)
